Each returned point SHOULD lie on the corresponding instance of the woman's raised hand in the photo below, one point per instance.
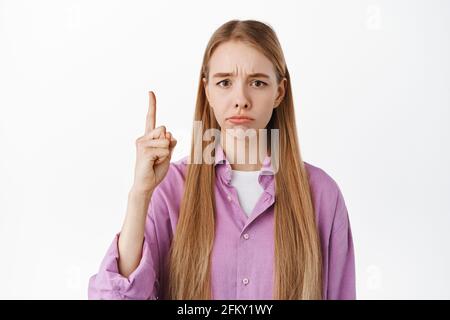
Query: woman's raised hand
(153, 152)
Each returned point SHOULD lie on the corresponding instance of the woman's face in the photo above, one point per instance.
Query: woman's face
(242, 82)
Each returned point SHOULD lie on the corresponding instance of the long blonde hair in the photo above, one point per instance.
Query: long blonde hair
(298, 258)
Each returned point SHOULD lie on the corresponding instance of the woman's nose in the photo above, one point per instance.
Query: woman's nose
(241, 99)
(244, 106)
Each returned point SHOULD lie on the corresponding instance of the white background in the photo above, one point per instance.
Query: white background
(371, 83)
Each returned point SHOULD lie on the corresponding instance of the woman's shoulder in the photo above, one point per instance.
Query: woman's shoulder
(325, 191)
(319, 179)
(178, 167)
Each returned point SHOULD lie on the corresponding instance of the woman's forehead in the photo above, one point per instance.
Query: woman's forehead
(239, 58)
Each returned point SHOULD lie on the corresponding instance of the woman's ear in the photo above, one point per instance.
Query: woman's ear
(281, 92)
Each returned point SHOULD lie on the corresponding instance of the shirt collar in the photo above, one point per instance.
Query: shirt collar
(224, 170)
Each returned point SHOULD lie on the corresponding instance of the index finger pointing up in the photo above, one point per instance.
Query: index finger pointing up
(151, 114)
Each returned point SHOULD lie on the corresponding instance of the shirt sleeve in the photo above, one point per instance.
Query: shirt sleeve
(141, 284)
(341, 275)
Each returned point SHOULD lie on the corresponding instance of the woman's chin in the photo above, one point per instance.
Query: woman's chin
(241, 131)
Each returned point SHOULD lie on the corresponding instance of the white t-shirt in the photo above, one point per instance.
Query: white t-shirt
(248, 188)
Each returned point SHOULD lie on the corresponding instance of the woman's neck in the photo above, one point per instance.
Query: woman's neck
(233, 148)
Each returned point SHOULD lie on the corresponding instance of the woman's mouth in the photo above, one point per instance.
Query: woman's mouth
(240, 119)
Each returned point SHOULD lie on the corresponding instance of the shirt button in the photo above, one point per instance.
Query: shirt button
(246, 236)
(245, 281)
(229, 197)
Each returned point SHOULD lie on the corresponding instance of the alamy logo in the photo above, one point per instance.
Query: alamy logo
(257, 140)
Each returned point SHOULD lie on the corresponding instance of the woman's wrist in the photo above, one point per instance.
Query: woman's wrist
(139, 192)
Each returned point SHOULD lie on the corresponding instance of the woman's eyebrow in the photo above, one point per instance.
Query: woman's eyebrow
(252, 75)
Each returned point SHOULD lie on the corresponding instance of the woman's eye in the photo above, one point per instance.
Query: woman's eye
(261, 83)
(226, 83)
(219, 83)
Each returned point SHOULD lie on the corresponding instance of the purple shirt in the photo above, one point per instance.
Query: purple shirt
(242, 265)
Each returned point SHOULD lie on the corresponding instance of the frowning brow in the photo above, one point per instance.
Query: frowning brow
(252, 75)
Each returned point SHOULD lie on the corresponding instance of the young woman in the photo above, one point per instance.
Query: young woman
(228, 230)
